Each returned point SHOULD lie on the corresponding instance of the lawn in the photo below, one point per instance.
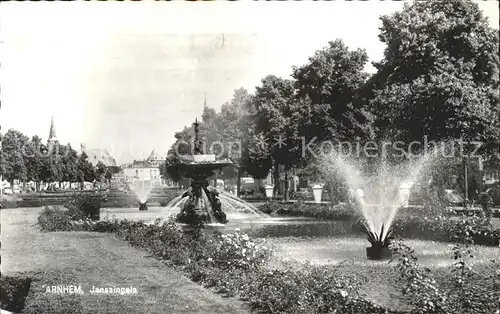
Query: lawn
(95, 259)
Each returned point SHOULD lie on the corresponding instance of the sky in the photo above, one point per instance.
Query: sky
(125, 76)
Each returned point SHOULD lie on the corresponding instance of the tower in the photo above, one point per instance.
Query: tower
(52, 132)
(205, 114)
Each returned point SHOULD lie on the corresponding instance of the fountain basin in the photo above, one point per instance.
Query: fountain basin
(378, 253)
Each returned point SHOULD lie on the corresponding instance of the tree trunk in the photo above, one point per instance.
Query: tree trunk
(238, 182)
(287, 190)
(333, 198)
(276, 180)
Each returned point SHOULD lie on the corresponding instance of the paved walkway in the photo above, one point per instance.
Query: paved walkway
(102, 260)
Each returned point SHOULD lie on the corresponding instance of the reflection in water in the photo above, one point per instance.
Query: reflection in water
(313, 229)
(279, 227)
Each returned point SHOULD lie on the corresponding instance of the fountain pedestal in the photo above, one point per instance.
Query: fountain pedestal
(378, 253)
(143, 206)
(203, 204)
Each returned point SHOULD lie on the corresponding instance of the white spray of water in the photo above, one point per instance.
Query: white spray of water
(142, 192)
(382, 193)
(229, 203)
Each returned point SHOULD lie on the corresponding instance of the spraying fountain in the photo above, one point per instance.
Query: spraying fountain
(142, 194)
(202, 204)
(382, 195)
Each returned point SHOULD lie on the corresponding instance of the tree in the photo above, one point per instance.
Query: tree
(112, 170)
(331, 80)
(237, 128)
(439, 76)
(100, 171)
(276, 115)
(14, 143)
(181, 147)
(33, 160)
(86, 171)
(70, 161)
(56, 163)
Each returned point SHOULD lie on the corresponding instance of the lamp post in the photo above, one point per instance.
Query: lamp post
(466, 183)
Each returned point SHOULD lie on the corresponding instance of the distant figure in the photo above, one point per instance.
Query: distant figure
(360, 196)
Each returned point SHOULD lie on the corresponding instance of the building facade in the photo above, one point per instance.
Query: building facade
(141, 170)
(102, 155)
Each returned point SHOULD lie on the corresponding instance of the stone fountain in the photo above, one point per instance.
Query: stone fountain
(203, 204)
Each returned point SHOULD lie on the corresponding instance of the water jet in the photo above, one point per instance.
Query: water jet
(142, 194)
(378, 196)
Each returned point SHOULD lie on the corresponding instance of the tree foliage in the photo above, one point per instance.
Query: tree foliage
(439, 75)
(86, 171)
(13, 157)
(330, 82)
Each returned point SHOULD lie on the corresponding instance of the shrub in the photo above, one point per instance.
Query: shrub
(85, 205)
(14, 290)
(343, 212)
(309, 290)
(448, 229)
(468, 291)
(271, 207)
(55, 219)
(237, 251)
(8, 204)
(105, 225)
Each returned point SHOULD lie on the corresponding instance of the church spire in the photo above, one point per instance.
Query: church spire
(52, 131)
(205, 108)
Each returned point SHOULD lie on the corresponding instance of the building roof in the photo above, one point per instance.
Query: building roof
(96, 155)
(140, 164)
(154, 157)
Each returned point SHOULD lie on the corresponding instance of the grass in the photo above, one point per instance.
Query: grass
(96, 259)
